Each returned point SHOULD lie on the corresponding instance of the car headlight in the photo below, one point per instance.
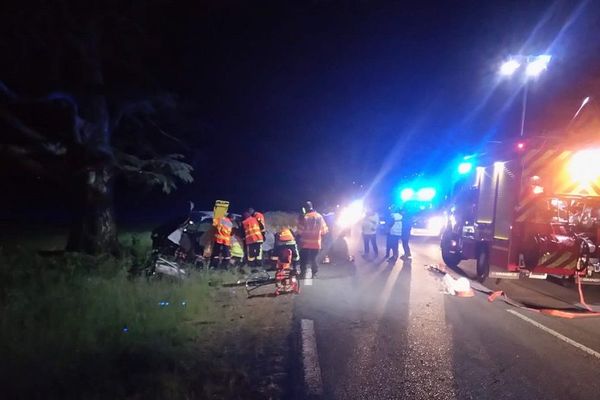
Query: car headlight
(351, 214)
(436, 223)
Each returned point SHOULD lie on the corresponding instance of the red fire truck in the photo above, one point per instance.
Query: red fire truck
(530, 209)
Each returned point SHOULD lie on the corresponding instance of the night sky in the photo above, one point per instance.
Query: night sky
(280, 102)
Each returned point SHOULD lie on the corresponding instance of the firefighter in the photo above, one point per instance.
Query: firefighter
(263, 229)
(237, 248)
(285, 240)
(222, 241)
(260, 218)
(253, 238)
(311, 227)
(285, 277)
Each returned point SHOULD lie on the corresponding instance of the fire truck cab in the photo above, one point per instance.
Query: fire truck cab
(531, 210)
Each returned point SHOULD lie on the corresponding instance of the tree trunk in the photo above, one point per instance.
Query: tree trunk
(94, 230)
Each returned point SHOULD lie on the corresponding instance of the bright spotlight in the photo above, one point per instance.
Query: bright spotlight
(426, 194)
(538, 65)
(464, 168)
(407, 194)
(351, 214)
(584, 167)
(509, 67)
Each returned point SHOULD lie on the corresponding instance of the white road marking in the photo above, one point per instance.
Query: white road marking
(310, 359)
(555, 334)
(308, 282)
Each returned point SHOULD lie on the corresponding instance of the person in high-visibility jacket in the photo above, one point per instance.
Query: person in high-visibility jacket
(222, 241)
(260, 218)
(237, 248)
(370, 223)
(311, 228)
(253, 238)
(394, 235)
(285, 240)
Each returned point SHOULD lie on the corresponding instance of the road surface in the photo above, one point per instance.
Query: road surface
(377, 331)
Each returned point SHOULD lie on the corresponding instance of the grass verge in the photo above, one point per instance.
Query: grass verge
(78, 327)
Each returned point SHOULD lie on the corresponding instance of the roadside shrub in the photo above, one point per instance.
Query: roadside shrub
(275, 220)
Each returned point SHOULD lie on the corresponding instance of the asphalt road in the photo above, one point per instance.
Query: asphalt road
(384, 331)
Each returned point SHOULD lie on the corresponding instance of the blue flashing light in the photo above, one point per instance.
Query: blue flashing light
(407, 194)
(465, 168)
(426, 194)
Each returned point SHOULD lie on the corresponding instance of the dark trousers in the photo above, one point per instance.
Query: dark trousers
(392, 246)
(252, 253)
(370, 239)
(308, 257)
(220, 250)
(405, 240)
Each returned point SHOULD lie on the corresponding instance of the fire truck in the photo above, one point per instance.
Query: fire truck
(529, 209)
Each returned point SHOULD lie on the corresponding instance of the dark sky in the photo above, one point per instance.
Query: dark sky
(286, 101)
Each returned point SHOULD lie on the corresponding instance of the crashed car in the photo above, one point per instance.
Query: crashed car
(182, 241)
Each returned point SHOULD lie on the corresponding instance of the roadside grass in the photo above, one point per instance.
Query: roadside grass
(79, 327)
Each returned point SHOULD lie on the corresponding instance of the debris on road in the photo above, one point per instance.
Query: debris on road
(460, 287)
(457, 287)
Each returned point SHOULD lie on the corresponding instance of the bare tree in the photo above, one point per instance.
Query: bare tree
(95, 89)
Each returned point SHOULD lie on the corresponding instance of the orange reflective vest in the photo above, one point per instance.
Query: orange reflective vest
(260, 218)
(224, 227)
(252, 231)
(286, 235)
(311, 227)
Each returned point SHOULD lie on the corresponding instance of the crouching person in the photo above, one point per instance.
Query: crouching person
(285, 277)
(285, 240)
(221, 251)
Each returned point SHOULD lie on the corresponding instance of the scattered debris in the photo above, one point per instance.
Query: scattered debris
(460, 287)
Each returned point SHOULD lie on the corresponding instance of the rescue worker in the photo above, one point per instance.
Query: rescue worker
(285, 240)
(221, 242)
(237, 247)
(263, 229)
(407, 223)
(311, 227)
(260, 218)
(394, 234)
(370, 223)
(253, 238)
(285, 277)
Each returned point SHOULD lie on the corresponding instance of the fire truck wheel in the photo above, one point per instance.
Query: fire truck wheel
(483, 263)
(450, 253)
(450, 259)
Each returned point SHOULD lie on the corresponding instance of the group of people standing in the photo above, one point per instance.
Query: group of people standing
(308, 236)
(398, 227)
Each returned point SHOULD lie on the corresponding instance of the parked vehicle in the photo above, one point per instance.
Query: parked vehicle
(531, 210)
